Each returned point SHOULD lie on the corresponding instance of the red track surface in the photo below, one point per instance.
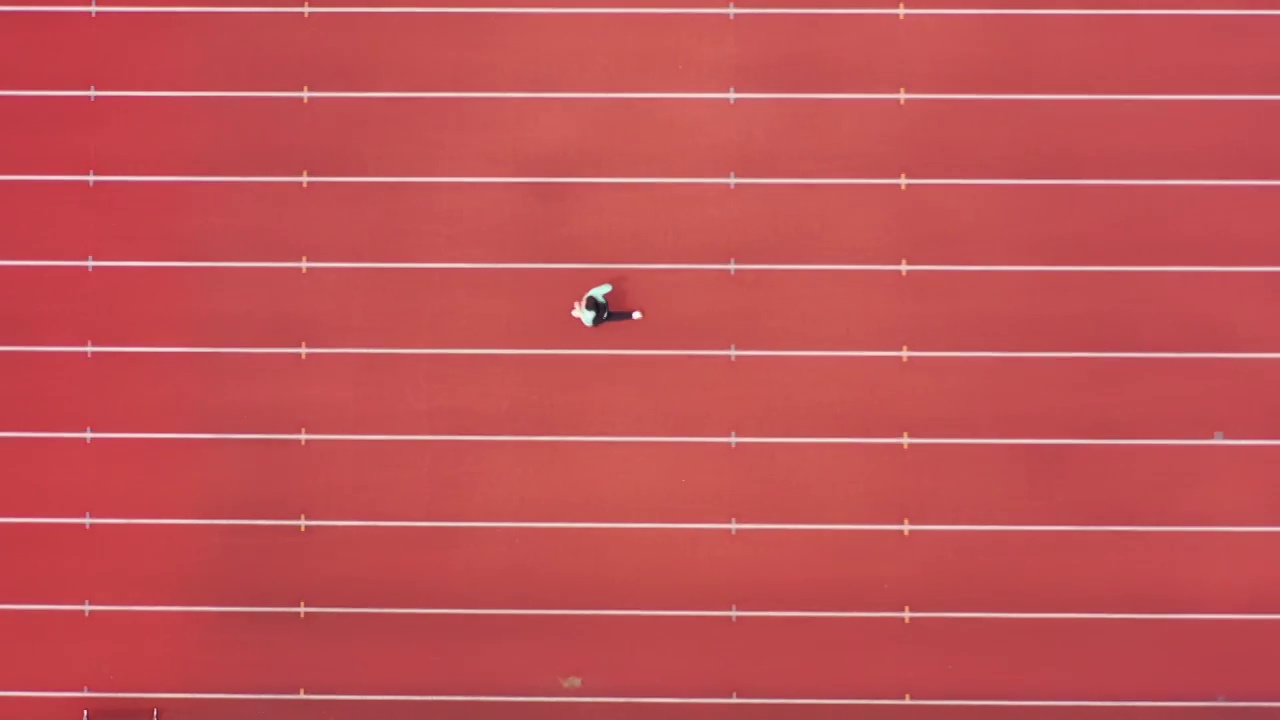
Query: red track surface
(1084, 572)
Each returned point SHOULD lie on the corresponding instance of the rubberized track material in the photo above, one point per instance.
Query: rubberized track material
(954, 399)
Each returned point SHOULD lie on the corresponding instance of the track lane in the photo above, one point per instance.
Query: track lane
(195, 136)
(503, 52)
(371, 52)
(1017, 225)
(374, 137)
(1007, 54)
(771, 397)
(664, 657)
(1005, 311)
(596, 569)
(306, 709)
(510, 5)
(1055, 5)
(626, 483)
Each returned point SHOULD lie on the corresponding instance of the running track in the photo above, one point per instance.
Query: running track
(917, 563)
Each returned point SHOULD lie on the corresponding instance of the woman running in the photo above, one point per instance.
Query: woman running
(594, 309)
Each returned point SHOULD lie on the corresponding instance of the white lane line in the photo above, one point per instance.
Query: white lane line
(734, 352)
(733, 526)
(727, 10)
(727, 614)
(736, 699)
(734, 267)
(734, 95)
(726, 181)
(642, 439)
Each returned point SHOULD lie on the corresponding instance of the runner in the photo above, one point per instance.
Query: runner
(594, 310)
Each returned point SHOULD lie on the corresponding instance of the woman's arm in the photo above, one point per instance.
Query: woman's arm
(600, 291)
(580, 309)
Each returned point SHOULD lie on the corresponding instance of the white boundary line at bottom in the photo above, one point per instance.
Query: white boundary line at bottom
(733, 526)
(733, 613)
(730, 180)
(88, 435)
(731, 352)
(731, 267)
(735, 699)
(732, 95)
(728, 10)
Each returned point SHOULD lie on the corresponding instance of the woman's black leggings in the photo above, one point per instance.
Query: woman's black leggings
(604, 314)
